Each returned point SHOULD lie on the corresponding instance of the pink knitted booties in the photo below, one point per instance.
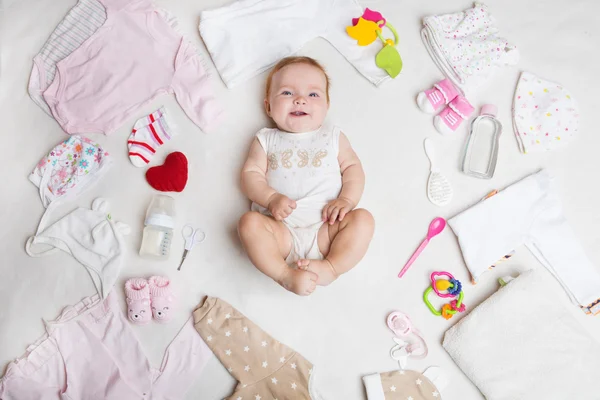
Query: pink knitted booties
(137, 292)
(161, 297)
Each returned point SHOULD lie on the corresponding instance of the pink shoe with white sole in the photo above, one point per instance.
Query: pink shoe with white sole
(432, 100)
(453, 115)
(162, 298)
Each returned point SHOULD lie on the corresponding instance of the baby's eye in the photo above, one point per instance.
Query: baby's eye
(166, 308)
(313, 95)
(286, 93)
(142, 311)
(130, 310)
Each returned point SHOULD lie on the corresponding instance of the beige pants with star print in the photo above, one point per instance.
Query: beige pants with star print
(265, 368)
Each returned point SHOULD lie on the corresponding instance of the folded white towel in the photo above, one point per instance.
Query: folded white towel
(521, 343)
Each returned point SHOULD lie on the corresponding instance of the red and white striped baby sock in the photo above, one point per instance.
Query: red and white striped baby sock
(147, 135)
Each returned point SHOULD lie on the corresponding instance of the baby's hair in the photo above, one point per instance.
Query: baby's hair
(295, 60)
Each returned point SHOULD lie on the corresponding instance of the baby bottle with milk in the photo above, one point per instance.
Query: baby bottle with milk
(158, 230)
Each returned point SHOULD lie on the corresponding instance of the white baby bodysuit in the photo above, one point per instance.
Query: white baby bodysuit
(305, 168)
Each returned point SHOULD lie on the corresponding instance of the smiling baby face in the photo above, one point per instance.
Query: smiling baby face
(297, 97)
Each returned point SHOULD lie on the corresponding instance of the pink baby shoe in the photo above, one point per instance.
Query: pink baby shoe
(432, 100)
(137, 291)
(161, 297)
(453, 115)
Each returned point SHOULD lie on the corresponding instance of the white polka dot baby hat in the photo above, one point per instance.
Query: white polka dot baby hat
(545, 115)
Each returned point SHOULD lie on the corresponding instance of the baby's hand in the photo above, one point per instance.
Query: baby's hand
(337, 210)
(280, 206)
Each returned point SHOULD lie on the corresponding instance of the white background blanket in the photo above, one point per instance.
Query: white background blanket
(340, 328)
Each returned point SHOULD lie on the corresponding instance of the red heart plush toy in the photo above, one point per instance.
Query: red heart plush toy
(171, 176)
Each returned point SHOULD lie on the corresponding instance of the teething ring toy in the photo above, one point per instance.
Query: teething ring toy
(453, 288)
(366, 29)
(448, 309)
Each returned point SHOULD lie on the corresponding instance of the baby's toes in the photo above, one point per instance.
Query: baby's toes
(311, 288)
(303, 264)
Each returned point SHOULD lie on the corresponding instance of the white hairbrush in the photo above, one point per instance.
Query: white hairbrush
(439, 190)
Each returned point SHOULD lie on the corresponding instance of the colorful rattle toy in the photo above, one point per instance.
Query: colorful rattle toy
(451, 288)
(366, 29)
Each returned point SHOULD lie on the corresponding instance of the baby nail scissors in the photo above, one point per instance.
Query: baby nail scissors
(192, 237)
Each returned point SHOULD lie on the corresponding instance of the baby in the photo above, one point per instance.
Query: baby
(304, 180)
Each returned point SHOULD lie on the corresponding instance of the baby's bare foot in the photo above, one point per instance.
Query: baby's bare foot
(322, 268)
(299, 281)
